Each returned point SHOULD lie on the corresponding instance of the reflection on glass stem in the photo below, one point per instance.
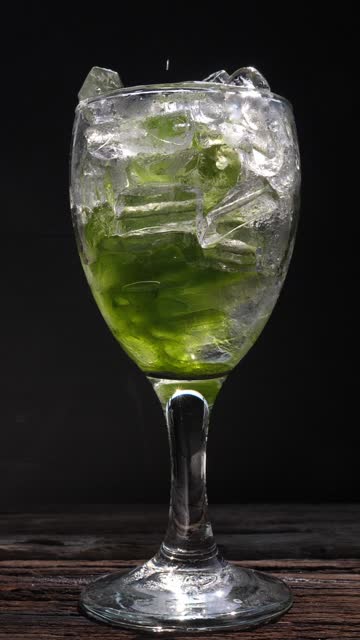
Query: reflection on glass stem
(189, 534)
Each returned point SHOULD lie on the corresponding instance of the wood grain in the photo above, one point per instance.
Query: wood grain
(39, 599)
(135, 531)
(39, 595)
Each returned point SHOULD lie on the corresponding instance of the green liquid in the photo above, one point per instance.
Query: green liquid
(169, 304)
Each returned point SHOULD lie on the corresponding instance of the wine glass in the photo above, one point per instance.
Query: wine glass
(184, 200)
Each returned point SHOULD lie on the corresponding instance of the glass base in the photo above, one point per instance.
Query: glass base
(171, 596)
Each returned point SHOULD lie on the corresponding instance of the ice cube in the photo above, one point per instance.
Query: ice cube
(100, 183)
(98, 223)
(154, 208)
(235, 230)
(261, 208)
(233, 254)
(209, 112)
(129, 137)
(264, 225)
(286, 180)
(219, 76)
(264, 134)
(117, 140)
(171, 128)
(98, 82)
(261, 129)
(245, 236)
(247, 191)
(266, 160)
(250, 78)
(104, 141)
(207, 165)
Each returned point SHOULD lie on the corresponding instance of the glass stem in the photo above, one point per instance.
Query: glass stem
(189, 535)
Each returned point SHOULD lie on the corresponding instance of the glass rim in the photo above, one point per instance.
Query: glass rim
(173, 87)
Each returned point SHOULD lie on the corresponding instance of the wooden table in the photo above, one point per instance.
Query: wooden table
(46, 556)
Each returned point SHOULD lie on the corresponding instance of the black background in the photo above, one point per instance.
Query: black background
(79, 421)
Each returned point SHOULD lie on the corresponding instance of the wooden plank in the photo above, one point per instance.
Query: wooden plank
(39, 600)
(48, 557)
(242, 531)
